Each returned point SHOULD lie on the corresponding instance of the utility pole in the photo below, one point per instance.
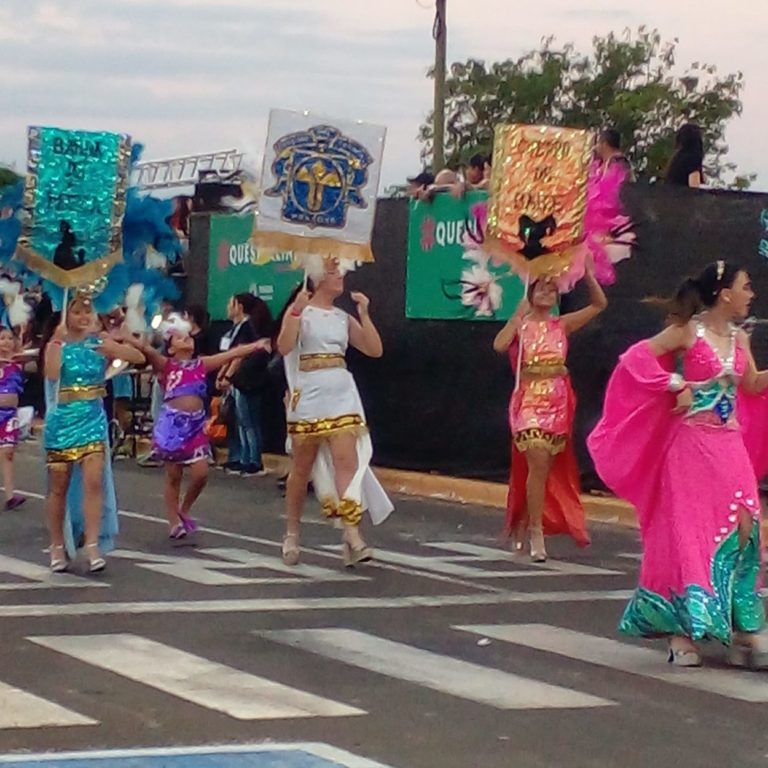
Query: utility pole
(440, 34)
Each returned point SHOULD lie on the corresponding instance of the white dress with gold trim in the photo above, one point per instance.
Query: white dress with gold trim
(325, 402)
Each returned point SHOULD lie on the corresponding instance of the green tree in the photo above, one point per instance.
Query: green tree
(8, 176)
(626, 82)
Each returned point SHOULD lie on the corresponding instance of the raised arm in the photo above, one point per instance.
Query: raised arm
(575, 321)
(507, 334)
(134, 351)
(214, 362)
(363, 334)
(289, 331)
(52, 359)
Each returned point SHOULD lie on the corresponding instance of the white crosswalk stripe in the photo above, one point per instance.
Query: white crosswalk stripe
(622, 657)
(193, 678)
(433, 670)
(19, 709)
(36, 576)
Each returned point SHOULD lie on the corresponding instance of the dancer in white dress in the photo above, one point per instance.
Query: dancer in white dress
(327, 430)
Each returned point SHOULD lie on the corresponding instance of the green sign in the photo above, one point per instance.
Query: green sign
(446, 279)
(234, 267)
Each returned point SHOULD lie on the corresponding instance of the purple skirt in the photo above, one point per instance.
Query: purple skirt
(179, 436)
(9, 427)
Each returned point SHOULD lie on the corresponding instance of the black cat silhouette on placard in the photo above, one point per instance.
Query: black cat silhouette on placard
(532, 232)
(64, 255)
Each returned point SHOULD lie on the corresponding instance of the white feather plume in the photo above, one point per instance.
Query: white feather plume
(19, 312)
(316, 265)
(175, 323)
(134, 308)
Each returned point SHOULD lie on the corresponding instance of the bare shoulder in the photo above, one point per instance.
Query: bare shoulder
(674, 338)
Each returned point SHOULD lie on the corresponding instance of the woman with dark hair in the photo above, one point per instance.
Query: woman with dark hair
(198, 318)
(252, 322)
(686, 168)
(671, 441)
(544, 479)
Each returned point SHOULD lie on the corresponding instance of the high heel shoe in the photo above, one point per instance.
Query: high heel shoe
(59, 564)
(749, 651)
(96, 563)
(538, 550)
(684, 657)
(291, 551)
(355, 555)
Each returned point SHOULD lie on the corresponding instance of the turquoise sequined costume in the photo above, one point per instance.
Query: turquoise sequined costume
(77, 424)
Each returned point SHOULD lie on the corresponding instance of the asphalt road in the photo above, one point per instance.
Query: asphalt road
(447, 652)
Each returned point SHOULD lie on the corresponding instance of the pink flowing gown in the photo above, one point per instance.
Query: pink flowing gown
(691, 479)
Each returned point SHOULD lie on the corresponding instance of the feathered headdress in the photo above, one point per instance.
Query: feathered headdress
(17, 312)
(175, 325)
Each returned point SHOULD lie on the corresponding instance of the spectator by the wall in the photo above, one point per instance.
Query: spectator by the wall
(686, 168)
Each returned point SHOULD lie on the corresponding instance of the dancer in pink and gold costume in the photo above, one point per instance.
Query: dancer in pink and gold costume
(179, 438)
(544, 482)
(682, 438)
(11, 387)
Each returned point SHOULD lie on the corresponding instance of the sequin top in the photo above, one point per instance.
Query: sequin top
(81, 364)
(79, 420)
(714, 380)
(11, 379)
(182, 378)
(545, 346)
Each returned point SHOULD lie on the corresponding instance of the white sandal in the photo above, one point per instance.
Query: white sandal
(59, 564)
(95, 564)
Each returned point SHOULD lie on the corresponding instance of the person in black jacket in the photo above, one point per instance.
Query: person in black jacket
(246, 379)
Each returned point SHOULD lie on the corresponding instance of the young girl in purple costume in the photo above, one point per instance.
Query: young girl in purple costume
(11, 387)
(179, 438)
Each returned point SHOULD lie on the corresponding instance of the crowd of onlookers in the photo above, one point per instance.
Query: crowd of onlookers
(685, 168)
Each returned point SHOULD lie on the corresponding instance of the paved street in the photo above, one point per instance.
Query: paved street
(447, 652)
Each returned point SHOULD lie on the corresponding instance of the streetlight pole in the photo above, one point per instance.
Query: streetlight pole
(440, 33)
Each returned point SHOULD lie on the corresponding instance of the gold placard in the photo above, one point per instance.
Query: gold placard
(538, 196)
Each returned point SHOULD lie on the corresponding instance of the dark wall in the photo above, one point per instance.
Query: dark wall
(438, 399)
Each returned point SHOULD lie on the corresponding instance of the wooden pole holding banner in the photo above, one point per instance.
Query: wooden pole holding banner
(519, 367)
(440, 34)
(64, 303)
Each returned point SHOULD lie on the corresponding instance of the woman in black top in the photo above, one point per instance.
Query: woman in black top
(686, 167)
(251, 321)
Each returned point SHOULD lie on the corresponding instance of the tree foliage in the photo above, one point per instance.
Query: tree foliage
(627, 82)
(8, 177)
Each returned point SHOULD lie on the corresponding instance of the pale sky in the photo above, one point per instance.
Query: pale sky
(186, 76)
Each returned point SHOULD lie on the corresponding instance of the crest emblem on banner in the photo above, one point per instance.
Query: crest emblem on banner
(320, 174)
(74, 202)
(319, 184)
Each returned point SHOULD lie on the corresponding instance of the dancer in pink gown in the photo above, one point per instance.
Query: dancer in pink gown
(680, 411)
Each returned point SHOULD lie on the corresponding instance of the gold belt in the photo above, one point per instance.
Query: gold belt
(76, 394)
(321, 361)
(543, 371)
